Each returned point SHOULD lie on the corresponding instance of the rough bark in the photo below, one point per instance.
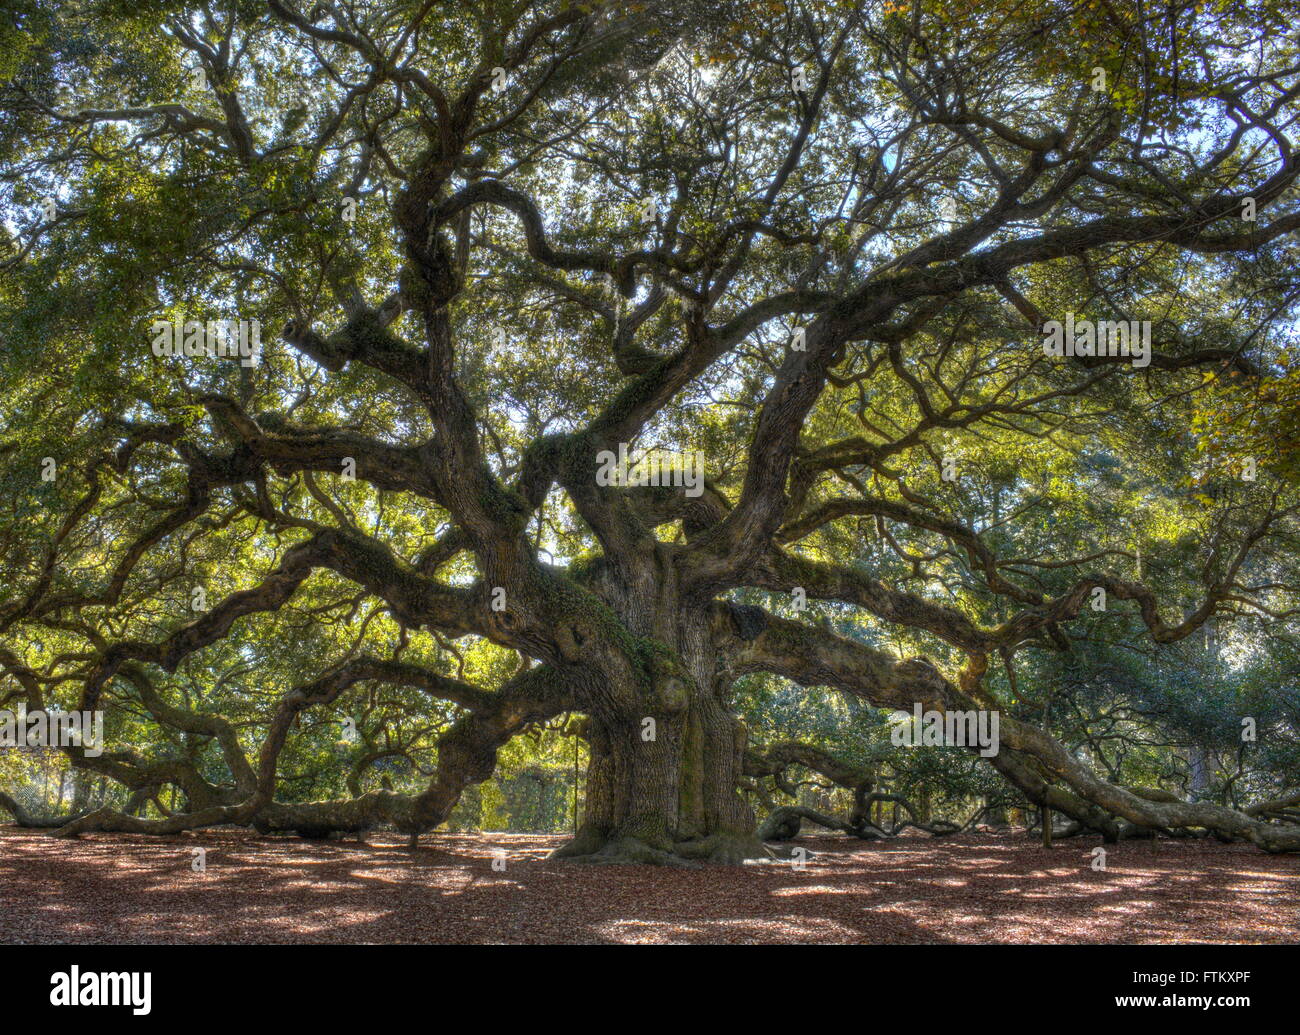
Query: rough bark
(644, 628)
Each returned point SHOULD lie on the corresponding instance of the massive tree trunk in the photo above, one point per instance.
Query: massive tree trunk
(664, 773)
(675, 795)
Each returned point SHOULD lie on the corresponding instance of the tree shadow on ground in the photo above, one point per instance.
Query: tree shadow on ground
(978, 888)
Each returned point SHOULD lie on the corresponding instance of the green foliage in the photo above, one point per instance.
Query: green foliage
(1065, 471)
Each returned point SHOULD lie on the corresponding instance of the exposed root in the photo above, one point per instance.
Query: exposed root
(25, 819)
(623, 851)
(724, 849)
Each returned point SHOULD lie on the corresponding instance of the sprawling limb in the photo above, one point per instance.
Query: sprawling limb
(487, 203)
(1033, 760)
(466, 754)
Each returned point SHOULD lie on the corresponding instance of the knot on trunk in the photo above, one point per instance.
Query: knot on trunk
(749, 621)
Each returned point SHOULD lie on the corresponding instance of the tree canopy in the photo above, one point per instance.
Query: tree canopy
(327, 328)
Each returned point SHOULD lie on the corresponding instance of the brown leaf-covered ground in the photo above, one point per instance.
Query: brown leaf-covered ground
(110, 888)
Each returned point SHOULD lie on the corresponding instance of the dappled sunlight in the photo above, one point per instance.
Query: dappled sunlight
(976, 888)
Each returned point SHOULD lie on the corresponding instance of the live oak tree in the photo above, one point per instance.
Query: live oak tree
(489, 244)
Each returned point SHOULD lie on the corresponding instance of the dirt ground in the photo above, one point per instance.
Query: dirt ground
(979, 888)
